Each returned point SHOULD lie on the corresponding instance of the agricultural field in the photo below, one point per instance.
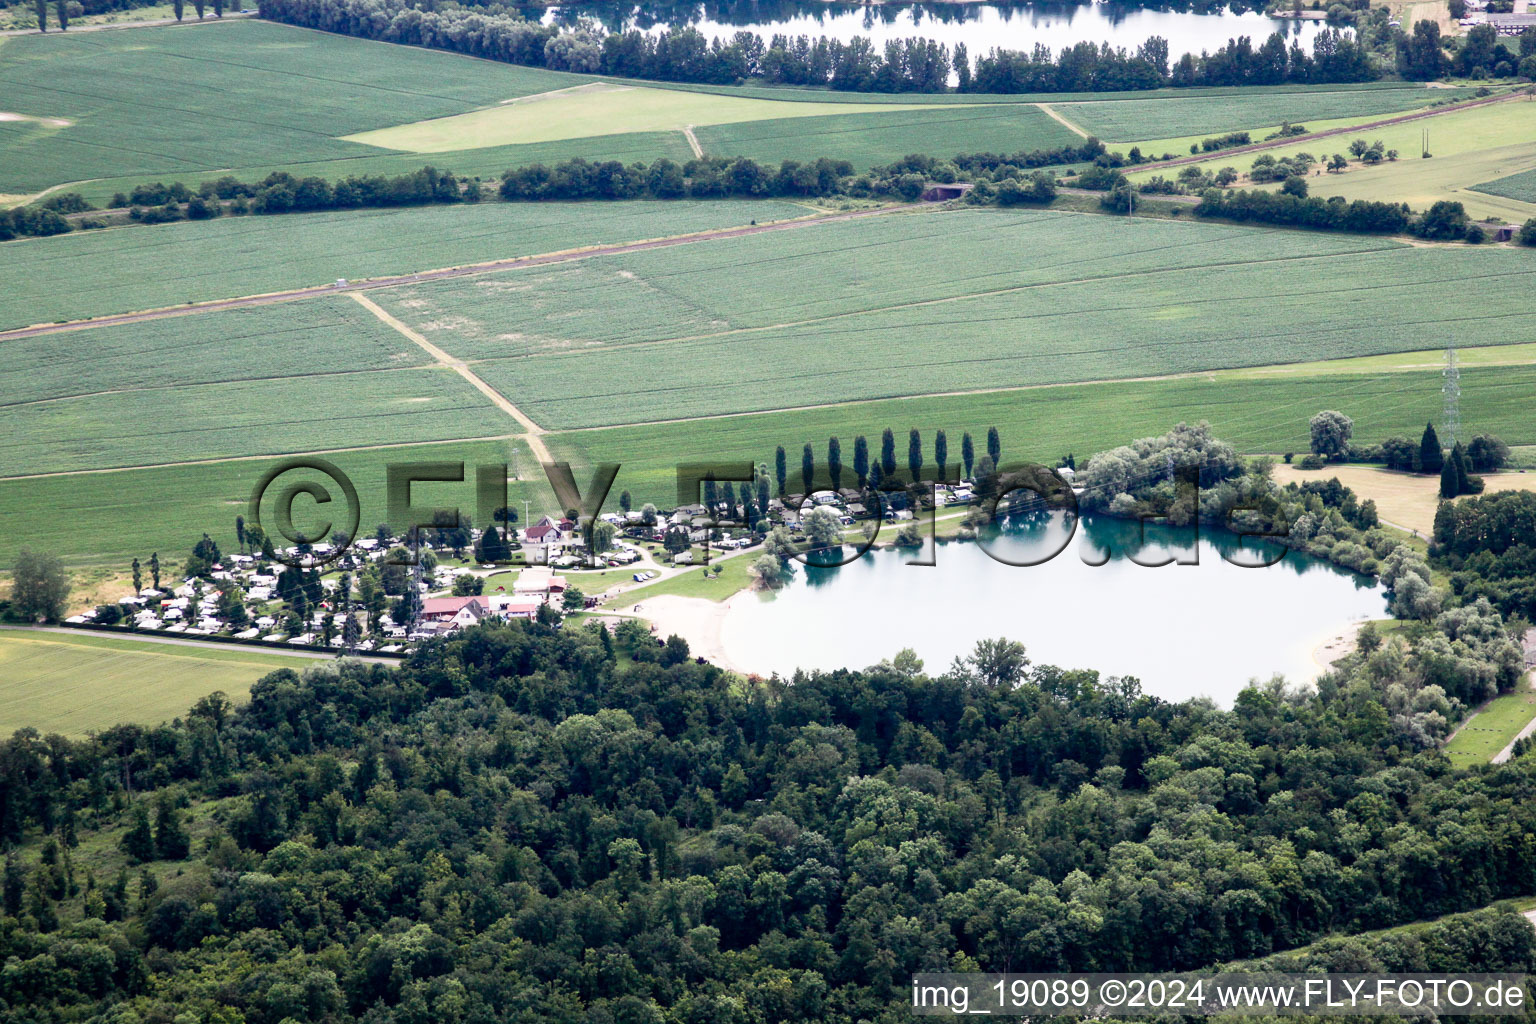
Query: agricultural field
(110, 518)
(181, 99)
(1470, 148)
(1165, 116)
(1071, 298)
(106, 111)
(597, 109)
(308, 339)
(210, 421)
(74, 685)
(1041, 424)
(1520, 187)
(871, 139)
(195, 261)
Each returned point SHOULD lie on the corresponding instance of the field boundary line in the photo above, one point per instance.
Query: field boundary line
(533, 432)
(1417, 115)
(259, 458)
(209, 383)
(1008, 290)
(463, 270)
(1056, 115)
(1212, 376)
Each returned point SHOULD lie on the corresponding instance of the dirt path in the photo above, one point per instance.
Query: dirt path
(512, 263)
(693, 142)
(533, 432)
(1052, 113)
(1257, 147)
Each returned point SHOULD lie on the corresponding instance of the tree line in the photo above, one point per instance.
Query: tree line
(577, 825)
(909, 65)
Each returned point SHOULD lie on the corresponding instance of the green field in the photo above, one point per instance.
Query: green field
(210, 421)
(112, 518)
(1492, 728)
(1166, 116)
(867, 140)
(1521, 186)
(598, 109)
(181, 99)
(322, 336)
(1257, 416)
(1470, 148)
(948, 302)
(197, 261)
(72, 685)
(108, 110)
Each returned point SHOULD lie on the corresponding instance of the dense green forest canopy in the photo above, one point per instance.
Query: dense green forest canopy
(526, 822)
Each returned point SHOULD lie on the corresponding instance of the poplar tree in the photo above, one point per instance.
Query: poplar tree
(1431, 458)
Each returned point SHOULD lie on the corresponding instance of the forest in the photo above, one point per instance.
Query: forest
(540, 823)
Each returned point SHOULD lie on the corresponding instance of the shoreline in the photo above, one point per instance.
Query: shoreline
(698, 620)
(1336, 646)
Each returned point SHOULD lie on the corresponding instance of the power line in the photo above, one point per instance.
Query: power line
(1452, 392)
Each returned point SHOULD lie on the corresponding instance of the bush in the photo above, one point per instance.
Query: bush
(1313, 462)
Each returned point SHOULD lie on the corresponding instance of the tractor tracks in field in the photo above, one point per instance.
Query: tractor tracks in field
(465, 270)
(532, 432)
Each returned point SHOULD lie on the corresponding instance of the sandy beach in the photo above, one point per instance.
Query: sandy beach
(697, 620)
(1337, 645)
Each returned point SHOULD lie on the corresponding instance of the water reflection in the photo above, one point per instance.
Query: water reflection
(1190, 26)
(1184, 629)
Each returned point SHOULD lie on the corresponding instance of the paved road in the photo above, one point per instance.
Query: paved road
(209, 644)
(513, 263)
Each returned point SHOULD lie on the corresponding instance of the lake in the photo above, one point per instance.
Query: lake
(1185, 630)
(980, 27)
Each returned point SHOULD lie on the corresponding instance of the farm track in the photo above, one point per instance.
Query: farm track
(533, 432)
(1258, 147)
(512, 263)
(1056, 116)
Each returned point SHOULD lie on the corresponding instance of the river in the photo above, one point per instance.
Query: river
(1185, 630)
